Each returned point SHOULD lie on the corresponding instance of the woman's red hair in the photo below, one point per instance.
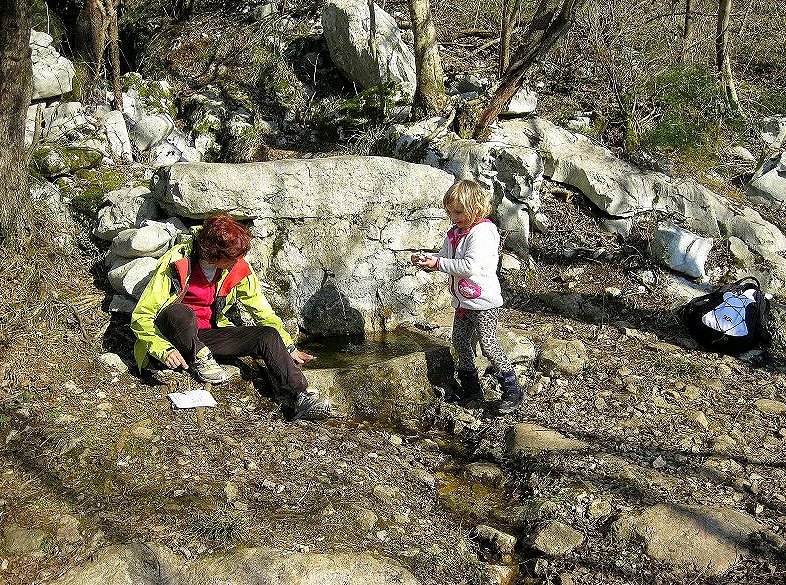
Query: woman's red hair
(222, 238)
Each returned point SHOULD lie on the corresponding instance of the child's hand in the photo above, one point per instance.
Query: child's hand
(425, 261)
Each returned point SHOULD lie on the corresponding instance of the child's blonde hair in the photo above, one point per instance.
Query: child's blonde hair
(469, 196)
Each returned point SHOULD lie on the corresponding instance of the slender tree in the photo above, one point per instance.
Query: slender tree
(510, 14)
(15, 93)
(687, 26)
(550, 22)
(430, 96)
(722, 63)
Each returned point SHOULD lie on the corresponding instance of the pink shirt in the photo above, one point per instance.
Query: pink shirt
(200, 296)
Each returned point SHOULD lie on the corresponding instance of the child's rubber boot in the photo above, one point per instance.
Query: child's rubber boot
(469, 390)
(511, 392)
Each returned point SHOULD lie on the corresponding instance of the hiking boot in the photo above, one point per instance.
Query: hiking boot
(310, 406)
(469, 389)
(207, 368)
(511, 392)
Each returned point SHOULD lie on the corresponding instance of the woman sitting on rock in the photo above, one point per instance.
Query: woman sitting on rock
(180, 320)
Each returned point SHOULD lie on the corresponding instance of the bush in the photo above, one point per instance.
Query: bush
(691, 109)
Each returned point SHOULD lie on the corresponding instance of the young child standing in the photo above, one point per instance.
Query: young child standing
(469, 256)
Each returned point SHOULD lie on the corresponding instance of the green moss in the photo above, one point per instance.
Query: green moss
(773, 101)
(155, 96)
(97, 183)
(78, 83)
(50, 160)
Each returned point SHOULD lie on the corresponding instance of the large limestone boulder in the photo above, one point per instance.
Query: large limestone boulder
(699, 539)
(622, 190)
(334, 235)
(152, 564)
(53, 74)
(141, 564)
(250, 566)
(346, 25)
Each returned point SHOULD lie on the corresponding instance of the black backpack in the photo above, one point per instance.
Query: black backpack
(732, 319)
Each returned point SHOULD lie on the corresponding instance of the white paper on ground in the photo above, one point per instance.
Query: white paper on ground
(192, 399)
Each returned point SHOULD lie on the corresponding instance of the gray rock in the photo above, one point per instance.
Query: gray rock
(150, 130)
(124, 209)
(66, 120)
(122, 304)
(497, 544)
(114, 361)
(531, 439)
(140, 564)
(556, 539)
(563, 356)
(700, 539)
(513, 221)
(152, 239)
(486, 473)
(524, 102)
(117, 133)
(367, 391)
(334, 233)
(346, 30)
(246, 566)
(740, 251)
(768, 184)
(131, 278)
(742, 154)
(773, 131)
(681, 250)
(53, 74)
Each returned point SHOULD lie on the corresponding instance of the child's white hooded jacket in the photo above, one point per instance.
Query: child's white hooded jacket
(470, 260)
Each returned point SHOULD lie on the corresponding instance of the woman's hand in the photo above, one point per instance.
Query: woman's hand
(301, 357)
(174, 360)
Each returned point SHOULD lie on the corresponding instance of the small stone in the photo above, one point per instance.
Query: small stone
(296, 454)
(766, 406)
(365, 519)
(385, 494)
(701, 419)
(396, 440)
(112, 360)
(613, 291)
(557, 538)
(230, 489)
(659, 462)
(142, 432)
(104, 406)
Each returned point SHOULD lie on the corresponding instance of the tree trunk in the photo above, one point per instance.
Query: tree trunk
(722, 63)
(510, 14)
(547, 26)
(15, 92)
(430, 97)
(114, 52)
(91, 27)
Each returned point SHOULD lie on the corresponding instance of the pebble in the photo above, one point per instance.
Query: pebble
(396, 440)
(659, 462)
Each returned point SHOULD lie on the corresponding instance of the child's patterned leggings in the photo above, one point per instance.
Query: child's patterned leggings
(465, 323)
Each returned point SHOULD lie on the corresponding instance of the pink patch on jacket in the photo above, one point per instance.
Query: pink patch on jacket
(468, 289)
